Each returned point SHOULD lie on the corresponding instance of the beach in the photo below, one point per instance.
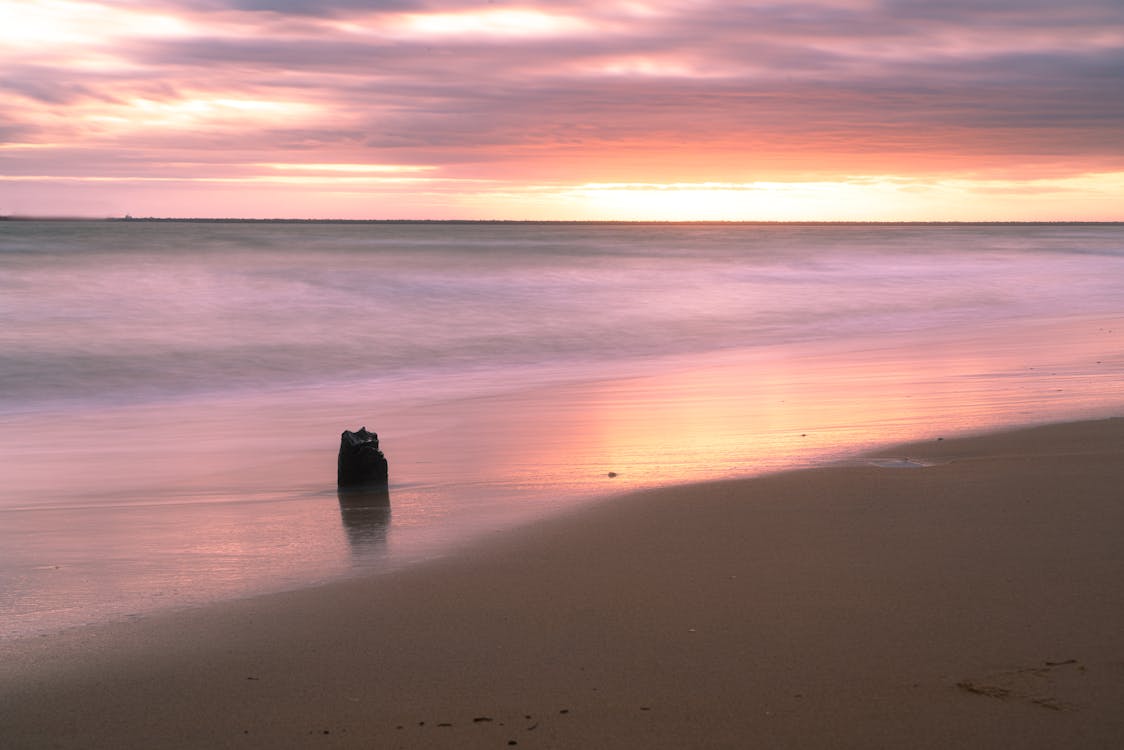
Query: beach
(736, 375)
(951, 593)
(174, 392)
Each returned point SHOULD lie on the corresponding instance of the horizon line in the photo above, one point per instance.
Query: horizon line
(281, 220)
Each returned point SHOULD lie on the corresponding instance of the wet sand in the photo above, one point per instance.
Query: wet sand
(956, 593)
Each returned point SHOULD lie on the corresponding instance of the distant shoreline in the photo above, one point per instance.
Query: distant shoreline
(544, 222)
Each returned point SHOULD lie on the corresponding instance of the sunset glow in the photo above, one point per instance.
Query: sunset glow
(826, 110)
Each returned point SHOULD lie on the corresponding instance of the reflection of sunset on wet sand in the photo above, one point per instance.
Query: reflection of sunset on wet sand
(736, 414)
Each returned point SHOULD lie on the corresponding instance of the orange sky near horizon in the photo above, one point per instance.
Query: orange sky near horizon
(831, 110)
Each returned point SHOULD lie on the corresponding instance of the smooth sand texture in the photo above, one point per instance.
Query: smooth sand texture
(978, 602)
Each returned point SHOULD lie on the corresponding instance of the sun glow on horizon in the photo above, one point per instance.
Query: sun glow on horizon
(867, 198)
(716, 201)
(356, 191)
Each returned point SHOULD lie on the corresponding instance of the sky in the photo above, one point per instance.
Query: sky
(852, 110)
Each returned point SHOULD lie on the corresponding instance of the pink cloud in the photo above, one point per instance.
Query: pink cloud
(574, 91)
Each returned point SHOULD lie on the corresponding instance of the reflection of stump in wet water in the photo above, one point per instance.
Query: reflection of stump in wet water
(365, 514)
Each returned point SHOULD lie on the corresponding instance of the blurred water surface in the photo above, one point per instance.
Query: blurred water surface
(171, 394)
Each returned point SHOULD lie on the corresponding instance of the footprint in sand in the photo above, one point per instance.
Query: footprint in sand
(1051, 685)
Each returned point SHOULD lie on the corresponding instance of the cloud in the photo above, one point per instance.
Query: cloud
(305, 7)
(44, 88)
(608, 91)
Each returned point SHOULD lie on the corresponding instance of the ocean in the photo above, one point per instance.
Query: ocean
(172, 393)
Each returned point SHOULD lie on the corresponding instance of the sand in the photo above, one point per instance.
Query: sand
(970, 596)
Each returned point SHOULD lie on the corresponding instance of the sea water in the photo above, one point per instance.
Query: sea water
(172, 393)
